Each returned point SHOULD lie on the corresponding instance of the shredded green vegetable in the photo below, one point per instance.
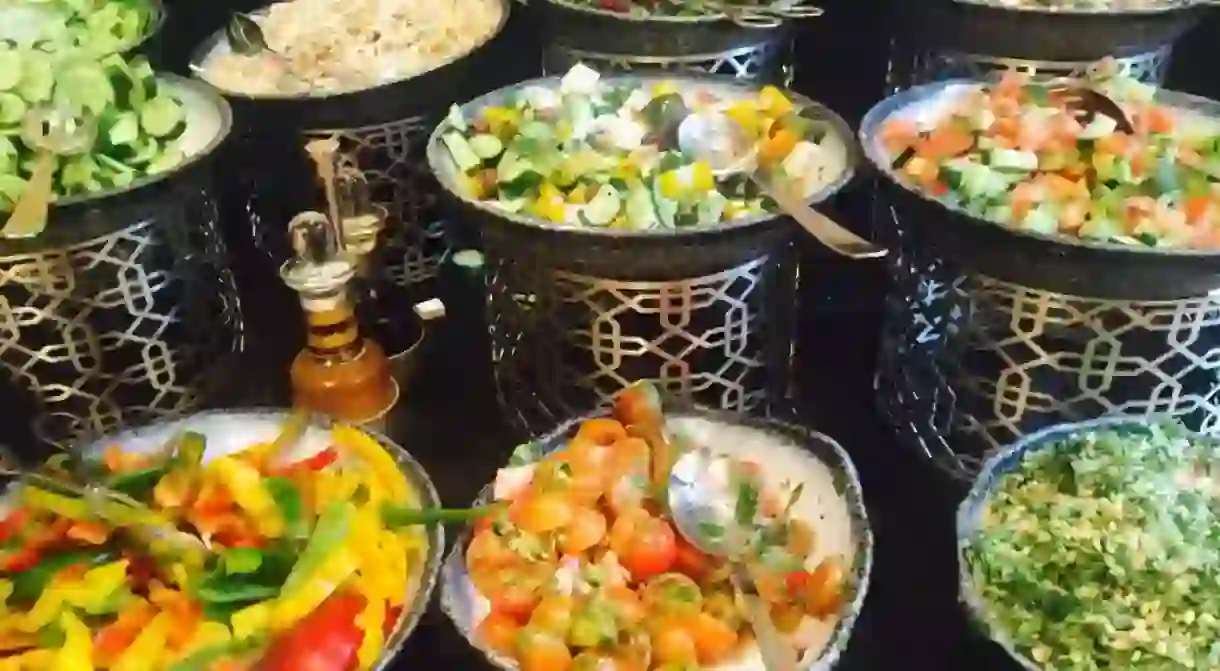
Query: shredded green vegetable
(1103, 552)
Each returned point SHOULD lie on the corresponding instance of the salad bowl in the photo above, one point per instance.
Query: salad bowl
(207, 121)
(1011, 460)
(619, 252)
(830, 496)
(1092, 267)
(232, 430)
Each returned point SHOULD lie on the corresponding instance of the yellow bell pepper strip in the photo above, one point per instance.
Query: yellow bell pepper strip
(252, 620)
(372, 621)
(387, 471)
(76, 654)
(688, 182)
(774, 101)
(148, 650)
(210, 658)
(34, 660)
(550, 203)
(209, 634)
(304, 597)
(119, 634)
(101, 590)
(28, 585)
(244, 484)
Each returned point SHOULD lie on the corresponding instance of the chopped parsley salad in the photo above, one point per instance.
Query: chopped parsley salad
(284, 563)
(583, 569)
(139, 122)
(1013, 154)
(1102, 551)
(604, 155)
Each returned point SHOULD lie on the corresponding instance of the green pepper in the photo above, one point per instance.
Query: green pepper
(234, 591)
(191, 448)
(330, 531)
(208, 657)
(288, 498)
(28, 585)
(241, 561)
(138, 483)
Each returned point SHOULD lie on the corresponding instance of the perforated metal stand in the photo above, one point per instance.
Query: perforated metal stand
(563, 342)
(125, 328)
(768, 60)
(967, 363)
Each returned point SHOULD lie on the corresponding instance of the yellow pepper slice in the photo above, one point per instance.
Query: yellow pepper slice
(97, 585)
(372, 621)
(291, 608)
(251, 620)
(146, 652)
(774, 101)
(245, 484)
(378, 460)
(76, 654)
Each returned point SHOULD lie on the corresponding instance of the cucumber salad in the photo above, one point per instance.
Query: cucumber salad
(1015, 154)
(593, 153)
(138, 123)
(1102, 551)
(98, 27)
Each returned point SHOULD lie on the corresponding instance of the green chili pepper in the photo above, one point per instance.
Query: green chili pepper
(138, 483)
(205, 659)
(234, 591)
(28, 585)
(394, 516)
(328, 533)
(240, 561)
(288, 498)
(191, 449)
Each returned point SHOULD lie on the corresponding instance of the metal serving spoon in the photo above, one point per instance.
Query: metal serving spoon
(728, 149)
(246, 38)
(50, 131)
(705, 505)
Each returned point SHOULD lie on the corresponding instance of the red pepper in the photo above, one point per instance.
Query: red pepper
(317, 462)
(326, 640)
(12, 524)
(392, 613)
(22, 559)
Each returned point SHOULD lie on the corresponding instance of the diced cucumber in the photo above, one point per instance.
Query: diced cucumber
(125, 130)
(168, 160)
(1099, 127)
(463, 155)
(603, 207)
(486, 146)
(456, 119)
(1041, 220)
(12, 109)
(512, 165)
(10, 69)
(1013, 159)
(85, 86)
(514, 204)
(11, 188)
(162, 115)
(37, 80)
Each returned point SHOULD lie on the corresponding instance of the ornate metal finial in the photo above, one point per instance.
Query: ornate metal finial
(325, 154)
(318, 265)
(361, 220)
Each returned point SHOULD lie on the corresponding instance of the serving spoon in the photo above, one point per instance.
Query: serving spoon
(50, 131)
(728, 149)
(245, 38)
(706, 508)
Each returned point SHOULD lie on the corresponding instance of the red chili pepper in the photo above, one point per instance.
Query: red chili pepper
(317, 462)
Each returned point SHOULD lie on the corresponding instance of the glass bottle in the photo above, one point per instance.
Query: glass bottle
(339, 373)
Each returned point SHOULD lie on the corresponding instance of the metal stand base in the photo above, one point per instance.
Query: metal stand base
(769, 61)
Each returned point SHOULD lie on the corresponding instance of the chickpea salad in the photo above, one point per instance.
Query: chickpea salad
(1102, 551)
(1017, 154)
(583, 568)
(600, 154)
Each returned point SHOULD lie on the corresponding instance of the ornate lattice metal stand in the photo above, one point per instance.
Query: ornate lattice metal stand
(768, 60)
(124, 328)
(563, 342)
(913, 66)
(391, 156)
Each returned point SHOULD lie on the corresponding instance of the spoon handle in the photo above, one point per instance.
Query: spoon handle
(777, 654)
(840, 240)
(29, 217)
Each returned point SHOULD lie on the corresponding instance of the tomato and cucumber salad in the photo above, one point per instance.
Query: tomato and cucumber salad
(583, 568)
(1020, 153)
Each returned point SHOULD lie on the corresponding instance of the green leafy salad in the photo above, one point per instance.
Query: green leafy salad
(98, 27)
(138, 123)
(1103, 552)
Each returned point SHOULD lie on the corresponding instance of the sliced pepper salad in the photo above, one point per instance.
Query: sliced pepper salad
(584, 570)
(1018, 155)
(600, 154)
(296, 567)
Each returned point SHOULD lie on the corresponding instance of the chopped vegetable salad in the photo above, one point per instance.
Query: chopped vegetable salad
(604, 155)
(1102, 551)
(584, 569)
(1019, 155)
(97, 27)
(294, 564)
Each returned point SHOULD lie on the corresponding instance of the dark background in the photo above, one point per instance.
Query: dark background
(911, 618)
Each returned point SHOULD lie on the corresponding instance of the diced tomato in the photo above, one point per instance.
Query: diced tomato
(690, 561)
(648, 548)
(1197, 208)
(326, 640)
